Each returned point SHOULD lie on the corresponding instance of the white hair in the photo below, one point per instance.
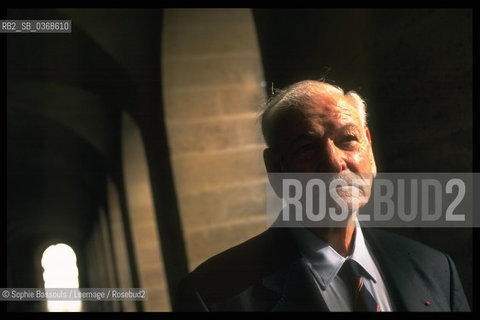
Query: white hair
(300, 94)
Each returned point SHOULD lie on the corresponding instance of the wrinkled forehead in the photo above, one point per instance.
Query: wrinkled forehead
(327, 111)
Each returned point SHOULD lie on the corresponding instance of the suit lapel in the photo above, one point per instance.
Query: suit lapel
(405, 290)
(296, 288)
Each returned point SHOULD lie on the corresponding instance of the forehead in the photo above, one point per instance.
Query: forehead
(323, 112)
(330, 110)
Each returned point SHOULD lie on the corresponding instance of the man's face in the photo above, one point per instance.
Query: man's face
(327, 136)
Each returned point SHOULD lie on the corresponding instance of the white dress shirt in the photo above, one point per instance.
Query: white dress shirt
(325, 262)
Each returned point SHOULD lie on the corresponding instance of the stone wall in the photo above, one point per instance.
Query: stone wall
(212, 87)
(147, 245)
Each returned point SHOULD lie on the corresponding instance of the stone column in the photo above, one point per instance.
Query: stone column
(213, 88)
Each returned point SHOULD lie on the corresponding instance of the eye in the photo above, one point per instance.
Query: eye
(349, 138)
(304, 148)
(349, 141)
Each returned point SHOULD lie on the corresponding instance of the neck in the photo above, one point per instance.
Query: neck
(339, 238)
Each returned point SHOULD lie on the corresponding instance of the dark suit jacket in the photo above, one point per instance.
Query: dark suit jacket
(267, 273)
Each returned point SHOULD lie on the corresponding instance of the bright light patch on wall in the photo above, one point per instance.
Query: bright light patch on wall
(59, 263)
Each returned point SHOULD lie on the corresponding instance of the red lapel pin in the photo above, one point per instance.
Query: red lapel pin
(427, 303)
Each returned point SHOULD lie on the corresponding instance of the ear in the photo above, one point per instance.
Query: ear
(367, 133)
(372, 158)
(272, 161)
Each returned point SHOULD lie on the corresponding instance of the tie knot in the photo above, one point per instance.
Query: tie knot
(352, 267)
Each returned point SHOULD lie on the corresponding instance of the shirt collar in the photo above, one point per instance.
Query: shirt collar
(326, 262)
(362, 255)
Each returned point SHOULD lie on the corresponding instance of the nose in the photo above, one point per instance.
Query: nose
(330, 158)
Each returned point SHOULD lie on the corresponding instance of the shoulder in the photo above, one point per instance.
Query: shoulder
(395, 247)
(255, 253)
(240, 267)
(394, 241)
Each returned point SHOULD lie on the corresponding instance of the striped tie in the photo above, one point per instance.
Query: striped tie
(362, 298)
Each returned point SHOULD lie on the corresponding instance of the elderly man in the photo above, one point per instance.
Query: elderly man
(314, 127)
